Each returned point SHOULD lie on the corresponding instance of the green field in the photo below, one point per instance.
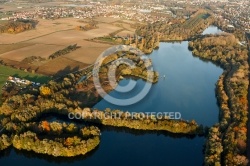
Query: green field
(194, 21)
(5, 72)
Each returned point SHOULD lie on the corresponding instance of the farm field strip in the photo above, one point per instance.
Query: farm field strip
(42, 50)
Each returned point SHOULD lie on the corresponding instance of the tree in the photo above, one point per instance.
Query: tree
(45, 91)
(45, 126)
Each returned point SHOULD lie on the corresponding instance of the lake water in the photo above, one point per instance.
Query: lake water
(212, 30)
(189, 88)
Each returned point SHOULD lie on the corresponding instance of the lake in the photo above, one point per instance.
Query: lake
(188, 88)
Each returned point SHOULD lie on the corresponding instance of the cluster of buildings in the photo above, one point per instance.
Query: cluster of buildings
(151, 13)
(21, 81)
(233, 12)
(236, 14)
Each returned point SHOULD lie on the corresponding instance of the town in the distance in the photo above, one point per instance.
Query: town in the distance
(97, 82)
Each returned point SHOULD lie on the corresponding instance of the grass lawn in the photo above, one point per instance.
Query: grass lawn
(107, 39)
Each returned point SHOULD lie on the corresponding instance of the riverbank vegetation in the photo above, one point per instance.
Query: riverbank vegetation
(227, 140)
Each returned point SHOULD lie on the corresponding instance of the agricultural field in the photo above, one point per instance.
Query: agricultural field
(125, 33)
(126, 26)
(60, 66)
(43, 28)
(107, 19)
(193, 22)
(129, 21)
(42, 50)
(74, 36)
(48, 37)
(88, 52)
(10, 47)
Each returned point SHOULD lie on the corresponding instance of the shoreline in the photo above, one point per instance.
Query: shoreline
(230, 92)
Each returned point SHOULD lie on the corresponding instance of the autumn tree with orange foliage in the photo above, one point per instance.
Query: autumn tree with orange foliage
(45, 126)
